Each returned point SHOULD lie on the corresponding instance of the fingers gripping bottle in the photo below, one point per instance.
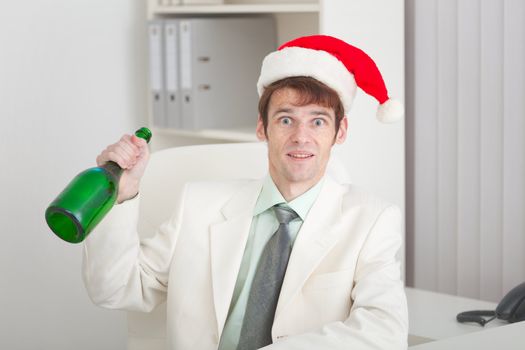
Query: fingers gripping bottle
(86, 200)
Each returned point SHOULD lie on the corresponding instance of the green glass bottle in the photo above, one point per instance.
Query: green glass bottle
(86, 200)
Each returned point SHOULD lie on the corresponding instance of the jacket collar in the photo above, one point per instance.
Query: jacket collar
(227, 242)
(314, 240)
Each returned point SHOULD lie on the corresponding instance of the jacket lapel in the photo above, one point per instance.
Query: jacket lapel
(315, 238)
(227, 242)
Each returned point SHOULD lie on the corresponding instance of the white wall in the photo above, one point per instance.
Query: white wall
(373, 152)
(72, 79)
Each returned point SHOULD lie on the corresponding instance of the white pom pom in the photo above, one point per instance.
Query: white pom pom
(390, 111)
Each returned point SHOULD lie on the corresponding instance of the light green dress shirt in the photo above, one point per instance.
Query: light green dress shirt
(264, 225)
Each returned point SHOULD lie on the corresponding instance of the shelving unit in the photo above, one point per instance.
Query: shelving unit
(232, 135)
(291, 20)
(234, 9)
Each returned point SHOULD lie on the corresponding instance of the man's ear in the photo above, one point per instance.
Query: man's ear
(342, 132)
(259, 131)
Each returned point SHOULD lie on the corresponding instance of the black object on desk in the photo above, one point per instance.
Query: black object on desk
(511, 309)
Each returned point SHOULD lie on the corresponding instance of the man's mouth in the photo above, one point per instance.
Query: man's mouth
(300, 155)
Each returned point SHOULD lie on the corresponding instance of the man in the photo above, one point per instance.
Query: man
(293, 261)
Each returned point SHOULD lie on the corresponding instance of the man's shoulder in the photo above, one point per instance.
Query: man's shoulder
(219, 195)
(354, 195)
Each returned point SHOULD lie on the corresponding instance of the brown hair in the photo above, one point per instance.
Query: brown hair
(310, 90)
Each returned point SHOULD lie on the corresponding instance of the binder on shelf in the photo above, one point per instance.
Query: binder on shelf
(173, 112)
(156, 72)
(186, 75)
(220, 60)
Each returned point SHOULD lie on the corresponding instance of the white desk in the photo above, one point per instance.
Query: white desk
(432, 316)
(507, 337)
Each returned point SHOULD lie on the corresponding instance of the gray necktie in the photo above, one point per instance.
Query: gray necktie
(256, 330)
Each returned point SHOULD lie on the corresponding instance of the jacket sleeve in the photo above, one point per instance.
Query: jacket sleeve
(378, 318)
(122, 272)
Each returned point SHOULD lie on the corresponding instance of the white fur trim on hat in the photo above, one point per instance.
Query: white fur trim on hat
(318, 64)
(390, 111)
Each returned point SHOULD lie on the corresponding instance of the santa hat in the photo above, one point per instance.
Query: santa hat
(335, 63)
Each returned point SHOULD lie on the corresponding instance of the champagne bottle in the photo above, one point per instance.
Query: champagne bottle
(86, 200)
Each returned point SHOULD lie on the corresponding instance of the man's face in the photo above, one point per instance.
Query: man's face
(299, 139)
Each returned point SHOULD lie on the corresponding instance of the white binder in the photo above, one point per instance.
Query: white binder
(172, 87)
(156, 72)
(220, 63)
(186, 75)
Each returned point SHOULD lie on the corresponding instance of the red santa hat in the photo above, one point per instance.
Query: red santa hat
(335, 63)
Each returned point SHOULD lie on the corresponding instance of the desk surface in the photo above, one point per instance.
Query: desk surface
(507, 337)
(432, 316)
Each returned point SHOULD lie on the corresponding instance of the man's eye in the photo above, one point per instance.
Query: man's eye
(286, 121)
(318, 122)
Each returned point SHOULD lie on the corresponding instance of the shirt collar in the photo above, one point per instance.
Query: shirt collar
(271, 196)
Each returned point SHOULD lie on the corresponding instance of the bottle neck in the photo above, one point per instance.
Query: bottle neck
(114, 169)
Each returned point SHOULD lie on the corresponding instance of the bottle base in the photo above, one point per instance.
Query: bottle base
(64, 225)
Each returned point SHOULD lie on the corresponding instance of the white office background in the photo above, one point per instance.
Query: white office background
(466, 146)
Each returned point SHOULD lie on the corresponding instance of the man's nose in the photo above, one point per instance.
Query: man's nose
(301, 133)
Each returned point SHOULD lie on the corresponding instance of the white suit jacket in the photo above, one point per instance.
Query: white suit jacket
(342, 288)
